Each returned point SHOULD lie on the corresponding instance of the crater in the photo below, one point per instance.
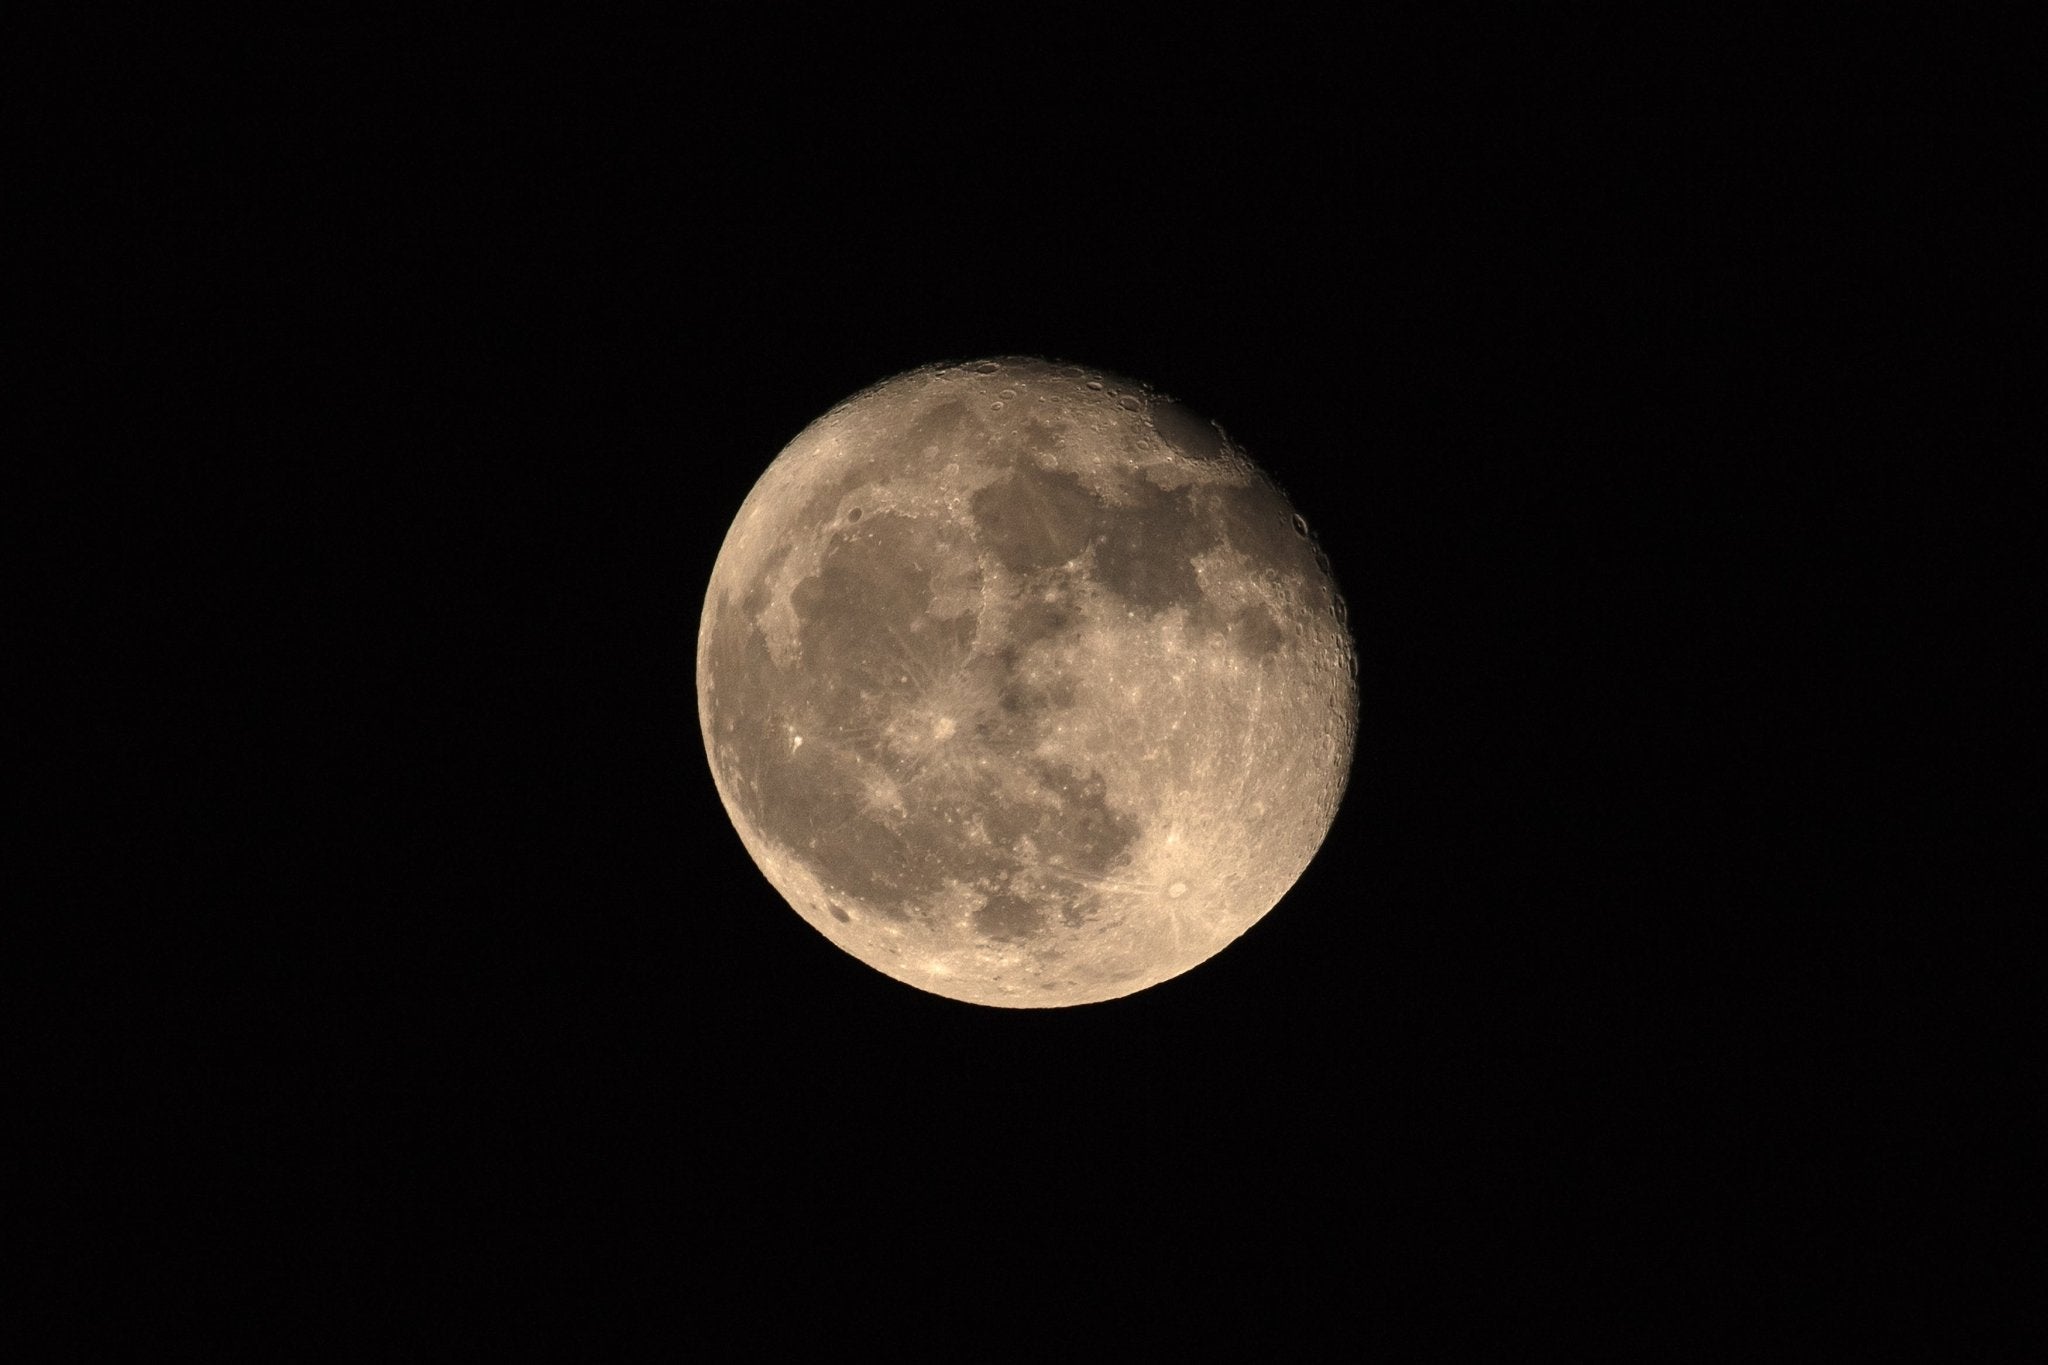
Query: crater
(1009, 918)
(1255, 633)
(938, 428)
(760, 591)
(1147, 556)
(1035, 518)
(1085, 832)
(1187, 433)
(1259, 524)
(865, 619)
(1037, 616)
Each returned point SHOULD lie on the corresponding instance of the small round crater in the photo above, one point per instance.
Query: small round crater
(839, 914)
(987, 367)
(1096, 385)
(853, 514)
(1177, 890)
(1301, 526)
(996, 406)
(1130, 402)
(1007, 394)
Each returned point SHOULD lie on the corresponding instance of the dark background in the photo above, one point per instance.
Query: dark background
(444, 361)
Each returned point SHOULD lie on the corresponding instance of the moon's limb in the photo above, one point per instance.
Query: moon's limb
(1023, 685)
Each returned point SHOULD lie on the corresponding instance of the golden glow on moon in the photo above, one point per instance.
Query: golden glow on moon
(1023, 685)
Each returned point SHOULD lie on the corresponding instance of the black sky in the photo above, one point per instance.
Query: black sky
(454, 355)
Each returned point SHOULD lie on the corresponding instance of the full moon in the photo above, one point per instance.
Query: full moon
(1023, 685)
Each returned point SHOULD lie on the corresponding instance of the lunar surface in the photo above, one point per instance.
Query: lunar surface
(1023, 685)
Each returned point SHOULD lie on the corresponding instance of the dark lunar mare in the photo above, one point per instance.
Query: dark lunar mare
(872, 654)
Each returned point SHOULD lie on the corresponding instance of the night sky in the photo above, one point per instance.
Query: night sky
(457, 354)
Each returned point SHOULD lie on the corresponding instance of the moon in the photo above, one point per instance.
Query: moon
(1023, 685)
